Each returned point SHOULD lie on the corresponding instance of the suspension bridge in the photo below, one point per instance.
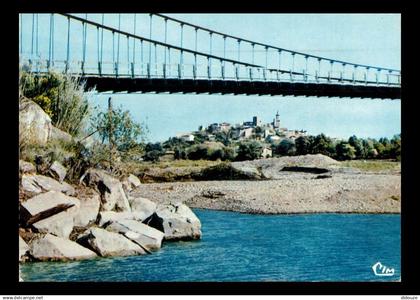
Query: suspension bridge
(156, 53)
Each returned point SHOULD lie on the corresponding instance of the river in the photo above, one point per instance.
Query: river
(244, 247)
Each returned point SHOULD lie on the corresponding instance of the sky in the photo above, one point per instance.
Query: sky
(372, 39)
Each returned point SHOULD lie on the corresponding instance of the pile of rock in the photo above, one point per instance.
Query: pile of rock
(59, 222)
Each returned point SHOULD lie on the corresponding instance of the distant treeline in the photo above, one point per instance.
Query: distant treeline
(225, 149)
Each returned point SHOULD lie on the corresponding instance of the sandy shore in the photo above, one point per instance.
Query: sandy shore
(289, 193)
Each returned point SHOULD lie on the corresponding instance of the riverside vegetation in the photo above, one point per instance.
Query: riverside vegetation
(90, 185)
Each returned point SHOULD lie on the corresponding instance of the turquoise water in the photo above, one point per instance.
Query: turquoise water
(243, 247)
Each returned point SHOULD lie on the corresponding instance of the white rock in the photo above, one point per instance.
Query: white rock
(111, 190)
(142, 208)
(60, 225)
(39, 183)
(45, 205)
(106, 243)
(134, 180)
(89, 210)
(177, 221)
(26, 167)
(58, 171)
(23, 248)
(34, 124)
(57, 134)
(111, 216)
(143, 235)
(52, 248)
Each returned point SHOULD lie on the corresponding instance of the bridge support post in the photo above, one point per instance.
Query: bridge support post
(132, 70)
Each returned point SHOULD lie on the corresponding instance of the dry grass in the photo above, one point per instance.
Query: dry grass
(139, 167)
(373, 165)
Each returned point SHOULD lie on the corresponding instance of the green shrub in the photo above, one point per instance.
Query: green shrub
(61, 96)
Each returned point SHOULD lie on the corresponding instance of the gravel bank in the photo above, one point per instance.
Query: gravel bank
(289, 193)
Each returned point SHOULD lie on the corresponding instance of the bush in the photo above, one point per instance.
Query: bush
(286, 147)
(152, 156)
(126, 133)
(61, 96)
(249, 151)
(345, 151)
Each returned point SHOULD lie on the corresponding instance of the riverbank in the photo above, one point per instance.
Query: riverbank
(338, 190)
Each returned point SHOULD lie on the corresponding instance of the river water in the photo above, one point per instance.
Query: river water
(244, 247)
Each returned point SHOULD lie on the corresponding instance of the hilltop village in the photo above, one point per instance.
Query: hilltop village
(268, 134)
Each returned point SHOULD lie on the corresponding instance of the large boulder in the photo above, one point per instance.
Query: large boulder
(34, 124)
(177, 221)
(134, 181)
(57, 134)
(26, 167)
(39, 183)
(52, 248)
(106, 217)
(113, 196)
(58, 171)
(60, 224)
(131, 182)
(23, 249)
(246, 171)
(142, 208)
(106, 243)
(89, 209)
(145, 236)
(44, 206)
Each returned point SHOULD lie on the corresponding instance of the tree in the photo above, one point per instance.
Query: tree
(358, 146)
(322, 144)
(126, 133)
(395, 151)
(249, 150)
(303, 145)
(286, 147)
(345, 151)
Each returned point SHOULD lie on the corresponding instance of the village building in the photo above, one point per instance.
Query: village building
(267, 152)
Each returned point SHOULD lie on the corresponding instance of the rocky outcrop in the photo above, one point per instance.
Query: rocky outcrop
(112, 194)
(106, 243)
(141, 234)
(57, 171)
(23, 249)
(52, 248)
(177, 221)
(44, 206)
(38, 183)
(89, 210)
(142, 208)
(26, 167)
(34, 124)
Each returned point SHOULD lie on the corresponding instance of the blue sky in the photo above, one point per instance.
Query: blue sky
(372, 39)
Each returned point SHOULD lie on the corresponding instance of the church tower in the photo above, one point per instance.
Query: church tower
(277, 121)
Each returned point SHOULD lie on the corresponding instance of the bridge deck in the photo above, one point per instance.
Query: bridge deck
(159, 85)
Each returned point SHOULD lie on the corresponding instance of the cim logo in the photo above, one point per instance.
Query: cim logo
(382, 270)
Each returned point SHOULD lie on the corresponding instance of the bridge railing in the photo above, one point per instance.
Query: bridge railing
(80, 45)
